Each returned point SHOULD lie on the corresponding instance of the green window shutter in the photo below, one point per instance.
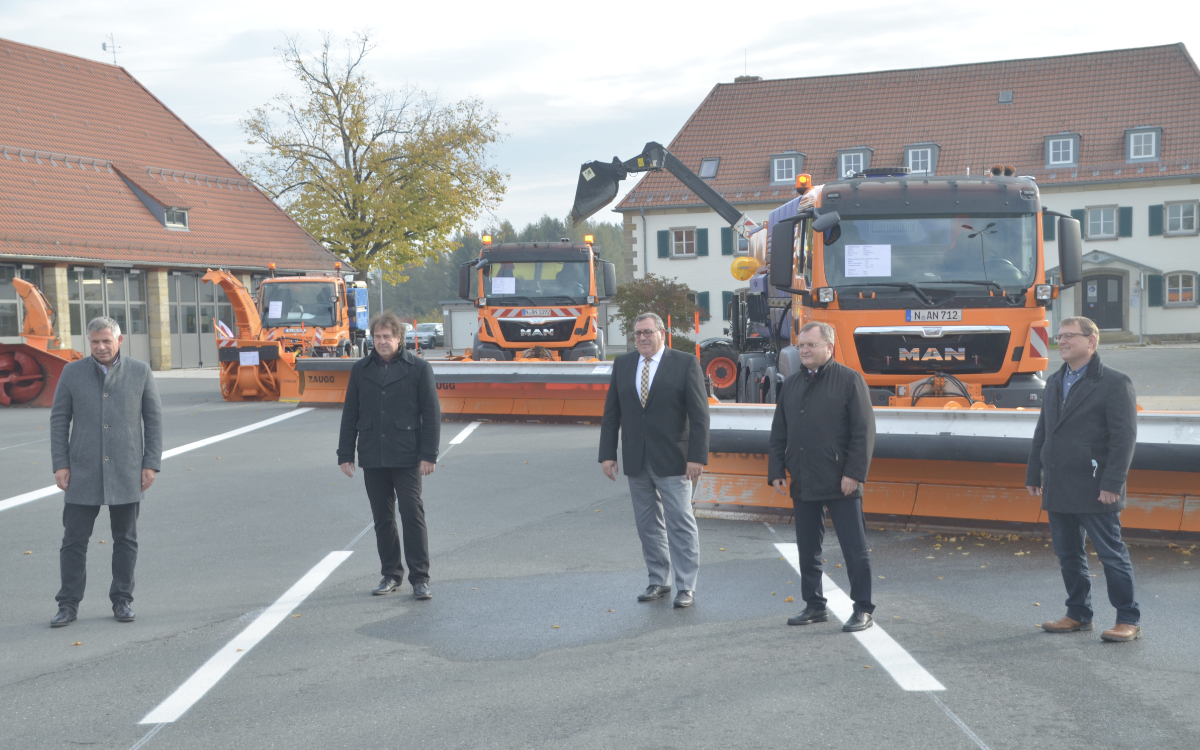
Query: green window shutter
(1156, 221)
(1125, 221)
(701, 242)
(664, 243)
(726, 303)
(726, 240)
(1080, 215)
(702, 303)
(1154, 283)
(1048, 224)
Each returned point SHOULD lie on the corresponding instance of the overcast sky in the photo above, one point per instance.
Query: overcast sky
(571, 82)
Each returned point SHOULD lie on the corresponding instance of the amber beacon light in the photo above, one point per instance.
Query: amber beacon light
(487, 239)
(803, 183)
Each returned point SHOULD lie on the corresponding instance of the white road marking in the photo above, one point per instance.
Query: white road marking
(224, 660)
(463, 435)
(904, 669)
(29, 497)
(18, 445)
(961, 725)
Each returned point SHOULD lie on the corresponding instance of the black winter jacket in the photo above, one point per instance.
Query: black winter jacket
(1085, 445)
(824, 429)
(392, 412)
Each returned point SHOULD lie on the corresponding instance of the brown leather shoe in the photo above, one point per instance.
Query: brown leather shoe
(1122, 631)
(1066, 625)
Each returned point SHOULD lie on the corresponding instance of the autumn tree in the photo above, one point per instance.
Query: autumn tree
(383, 178)
(657, 294)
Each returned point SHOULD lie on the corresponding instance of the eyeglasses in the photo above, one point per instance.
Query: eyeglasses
(818, 345)
(1068, 336)
(645, 334)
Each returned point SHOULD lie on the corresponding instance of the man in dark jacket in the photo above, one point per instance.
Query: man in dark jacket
(106, 445)
(392, 412)
(1081, 452)
(823, 435)
(657, 404)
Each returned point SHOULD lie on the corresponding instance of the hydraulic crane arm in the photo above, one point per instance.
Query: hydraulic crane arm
(39, 315)
(598, 185)
(248, 321)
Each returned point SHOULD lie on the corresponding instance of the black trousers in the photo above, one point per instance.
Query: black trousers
(78, 522)
(851, 531)
(387, 488)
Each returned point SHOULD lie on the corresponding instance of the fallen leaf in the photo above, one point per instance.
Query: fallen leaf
(881, 576)
(240, 650)
(966, 553)
(824, 560)
(1149, 558)
(475, 589)
(191, 469)
(612, 610)
(553, 626)
(895, 617)
(958, 547)
(1036, 604)
(783, 558)
(790, 599)
(879, 529)
(914, 549)
(29, 552)
(597, 510)
(218, 458)
(1018, 554)
(77, 643)
(977, 544)
(720, 549)
(102, 541)
(941, 577)
(772, 593)
(866, 666)
(838, 565)
(954, 539)
(295, 615)
(929, 557)
(789, 583)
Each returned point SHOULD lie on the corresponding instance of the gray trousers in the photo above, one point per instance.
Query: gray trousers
(662, 508)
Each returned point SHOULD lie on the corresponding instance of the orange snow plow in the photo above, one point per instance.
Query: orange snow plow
(954, 469)
(32, 363)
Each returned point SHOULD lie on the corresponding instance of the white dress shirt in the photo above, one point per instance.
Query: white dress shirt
(637, 375)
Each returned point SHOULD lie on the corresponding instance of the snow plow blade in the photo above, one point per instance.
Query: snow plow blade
(545, 392)
(959, 470)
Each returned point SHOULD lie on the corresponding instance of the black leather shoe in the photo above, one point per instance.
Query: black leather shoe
(809, 616)
(65, 617)
(685, 599)
(387, 586)
(421, 592)
(858, 621)
(653, 592)
(123, 613)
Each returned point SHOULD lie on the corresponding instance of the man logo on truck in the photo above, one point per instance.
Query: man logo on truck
(951, 354)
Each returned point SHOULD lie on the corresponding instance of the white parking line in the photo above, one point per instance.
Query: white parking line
(29, 497)
(904, 669)
(222, 661)
(463, 435)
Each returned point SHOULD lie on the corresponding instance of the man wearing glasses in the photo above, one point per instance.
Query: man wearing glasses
(823, 435)
(1080, 456)
(656, 402)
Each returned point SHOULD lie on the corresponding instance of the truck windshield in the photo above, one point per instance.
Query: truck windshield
(935, 250)
(535, 279)
(290, 303)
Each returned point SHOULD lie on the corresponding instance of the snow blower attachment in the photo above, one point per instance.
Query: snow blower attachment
(32, 363)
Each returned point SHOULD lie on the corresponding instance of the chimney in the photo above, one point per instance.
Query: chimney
(747, 79)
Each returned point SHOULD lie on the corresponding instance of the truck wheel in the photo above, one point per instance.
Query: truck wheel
(719, 362)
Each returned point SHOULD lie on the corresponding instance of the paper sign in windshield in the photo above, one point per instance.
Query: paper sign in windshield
(275, 310)
(868, 260)
(504, 285)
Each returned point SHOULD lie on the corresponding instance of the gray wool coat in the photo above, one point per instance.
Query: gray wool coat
(106, 429)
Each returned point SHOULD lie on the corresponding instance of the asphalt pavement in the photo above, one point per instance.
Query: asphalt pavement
(534, 638)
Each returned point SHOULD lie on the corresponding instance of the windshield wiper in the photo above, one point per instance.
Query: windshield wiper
(903, 285)
(989, 282)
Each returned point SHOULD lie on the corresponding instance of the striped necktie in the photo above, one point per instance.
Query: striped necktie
(645, 381)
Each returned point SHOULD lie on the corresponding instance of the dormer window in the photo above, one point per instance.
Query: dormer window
(176, 218)
(851, 161)
(921, 158)
(785, 167)
(1062, 150)
(708, 167)
(1143, 144)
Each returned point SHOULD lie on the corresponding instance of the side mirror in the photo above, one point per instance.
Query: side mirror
(1070, 251)
(783, 253)
(610, 279)
(827, 220)
(464, 281)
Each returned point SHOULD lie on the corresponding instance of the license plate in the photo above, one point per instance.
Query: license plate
(933, 316)
(293, 330)
(535, 311)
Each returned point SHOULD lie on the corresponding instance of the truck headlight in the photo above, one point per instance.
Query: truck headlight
(825, 295)
(1043, 291)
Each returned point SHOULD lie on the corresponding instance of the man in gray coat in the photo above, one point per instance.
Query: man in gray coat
(1081, 452)
(106, 445)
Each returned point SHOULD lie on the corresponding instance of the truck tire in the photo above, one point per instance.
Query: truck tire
(719, 363)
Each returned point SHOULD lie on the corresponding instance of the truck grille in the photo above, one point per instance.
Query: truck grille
(913, 354)
(528, 333)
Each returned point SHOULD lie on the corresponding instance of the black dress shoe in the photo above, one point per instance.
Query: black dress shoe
(387, 586)
(421, 592)
(123, 613)
(65, 617)
(685, 599)
(653, 592)
(858, 621)
(809, 616)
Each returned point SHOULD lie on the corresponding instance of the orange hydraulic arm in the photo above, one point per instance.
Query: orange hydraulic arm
(248, 321)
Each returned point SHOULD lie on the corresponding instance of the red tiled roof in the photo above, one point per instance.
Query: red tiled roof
(1097, 95)
(70, 128)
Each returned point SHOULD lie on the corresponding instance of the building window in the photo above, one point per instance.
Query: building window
(177, 218)
(708, 168)
(1181, 218)
(112, 292)
(1181, 289)
(1143, 144)
(919, 160)
(852, 164)
(1102, 223)
(1062, 151)
(785, 166)
(683, 243)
